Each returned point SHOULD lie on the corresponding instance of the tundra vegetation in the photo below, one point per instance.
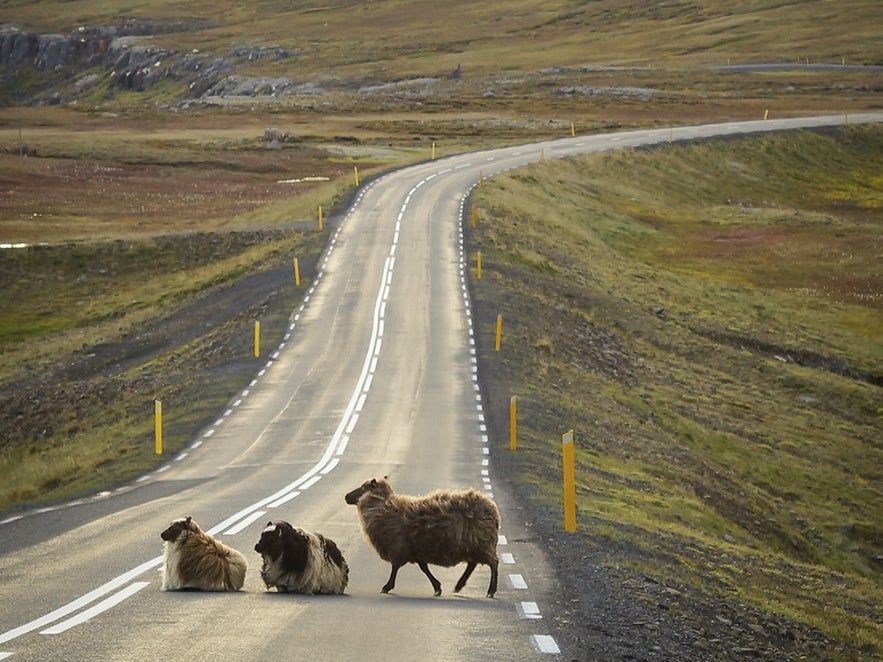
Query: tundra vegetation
(706, 317)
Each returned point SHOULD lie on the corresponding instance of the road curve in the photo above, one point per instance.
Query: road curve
(377, 376)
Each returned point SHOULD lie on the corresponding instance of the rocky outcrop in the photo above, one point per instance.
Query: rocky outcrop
(250, 86)
(132, 63)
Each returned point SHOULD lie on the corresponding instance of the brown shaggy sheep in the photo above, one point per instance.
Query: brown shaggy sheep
(298, 561)
(195, 560)
(442, 528)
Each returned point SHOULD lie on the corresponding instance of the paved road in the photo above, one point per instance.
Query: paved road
(377, 376)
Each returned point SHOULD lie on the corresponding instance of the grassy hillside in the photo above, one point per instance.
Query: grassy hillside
(352, 39)
(708, 318)
(597, 62)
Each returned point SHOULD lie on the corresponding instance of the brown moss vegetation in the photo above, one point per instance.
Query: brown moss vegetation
(713, 337)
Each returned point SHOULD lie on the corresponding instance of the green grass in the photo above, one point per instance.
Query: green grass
(430, 38)
(715, 339)
(563, 43)
(81, 434)
(707, 317)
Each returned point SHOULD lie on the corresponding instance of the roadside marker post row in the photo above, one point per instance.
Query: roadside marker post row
(568, 463)
(567, 439)
(236, 521)
(526, 610)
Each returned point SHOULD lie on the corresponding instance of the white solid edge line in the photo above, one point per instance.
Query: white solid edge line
(72, 606)
(102, 606)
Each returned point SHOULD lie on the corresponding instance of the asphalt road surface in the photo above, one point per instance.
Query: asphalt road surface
(376, 377)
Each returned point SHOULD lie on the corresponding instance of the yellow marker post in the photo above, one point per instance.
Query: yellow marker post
(572, 129)
(157, 424)
(257, 339)
(766, 113)
(513, 423)
(480, 178)
(499, 333)
(296, 272)
(356, 174)
(321, 225)
(473, 219)
(478, 265)
(433, 151)
(569, 482)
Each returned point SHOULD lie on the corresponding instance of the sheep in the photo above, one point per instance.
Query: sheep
(442, 528)
(298, 561)
(192, 559)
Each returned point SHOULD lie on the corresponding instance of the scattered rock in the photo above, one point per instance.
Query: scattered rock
(272, 134)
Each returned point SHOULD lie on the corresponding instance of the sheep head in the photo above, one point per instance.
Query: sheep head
(179, 527)
(375, 487)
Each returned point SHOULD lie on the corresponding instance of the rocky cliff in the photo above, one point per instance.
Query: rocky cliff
(121, 58)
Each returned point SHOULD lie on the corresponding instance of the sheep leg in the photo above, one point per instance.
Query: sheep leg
(492, 587)
(465, 576)
(391, 582)
(436, 584)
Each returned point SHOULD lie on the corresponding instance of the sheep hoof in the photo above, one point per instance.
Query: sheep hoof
(490, 595)
(438, 593)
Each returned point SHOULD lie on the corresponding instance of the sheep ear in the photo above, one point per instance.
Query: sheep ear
(373, 482)
(279, 531)
(386, 477)
(188, 520)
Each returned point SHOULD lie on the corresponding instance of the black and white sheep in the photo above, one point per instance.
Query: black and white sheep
(298, 561)
(192, 559)
(442, 528)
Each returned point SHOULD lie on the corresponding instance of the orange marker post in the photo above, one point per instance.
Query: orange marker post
(157, 424)
(569, 482)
